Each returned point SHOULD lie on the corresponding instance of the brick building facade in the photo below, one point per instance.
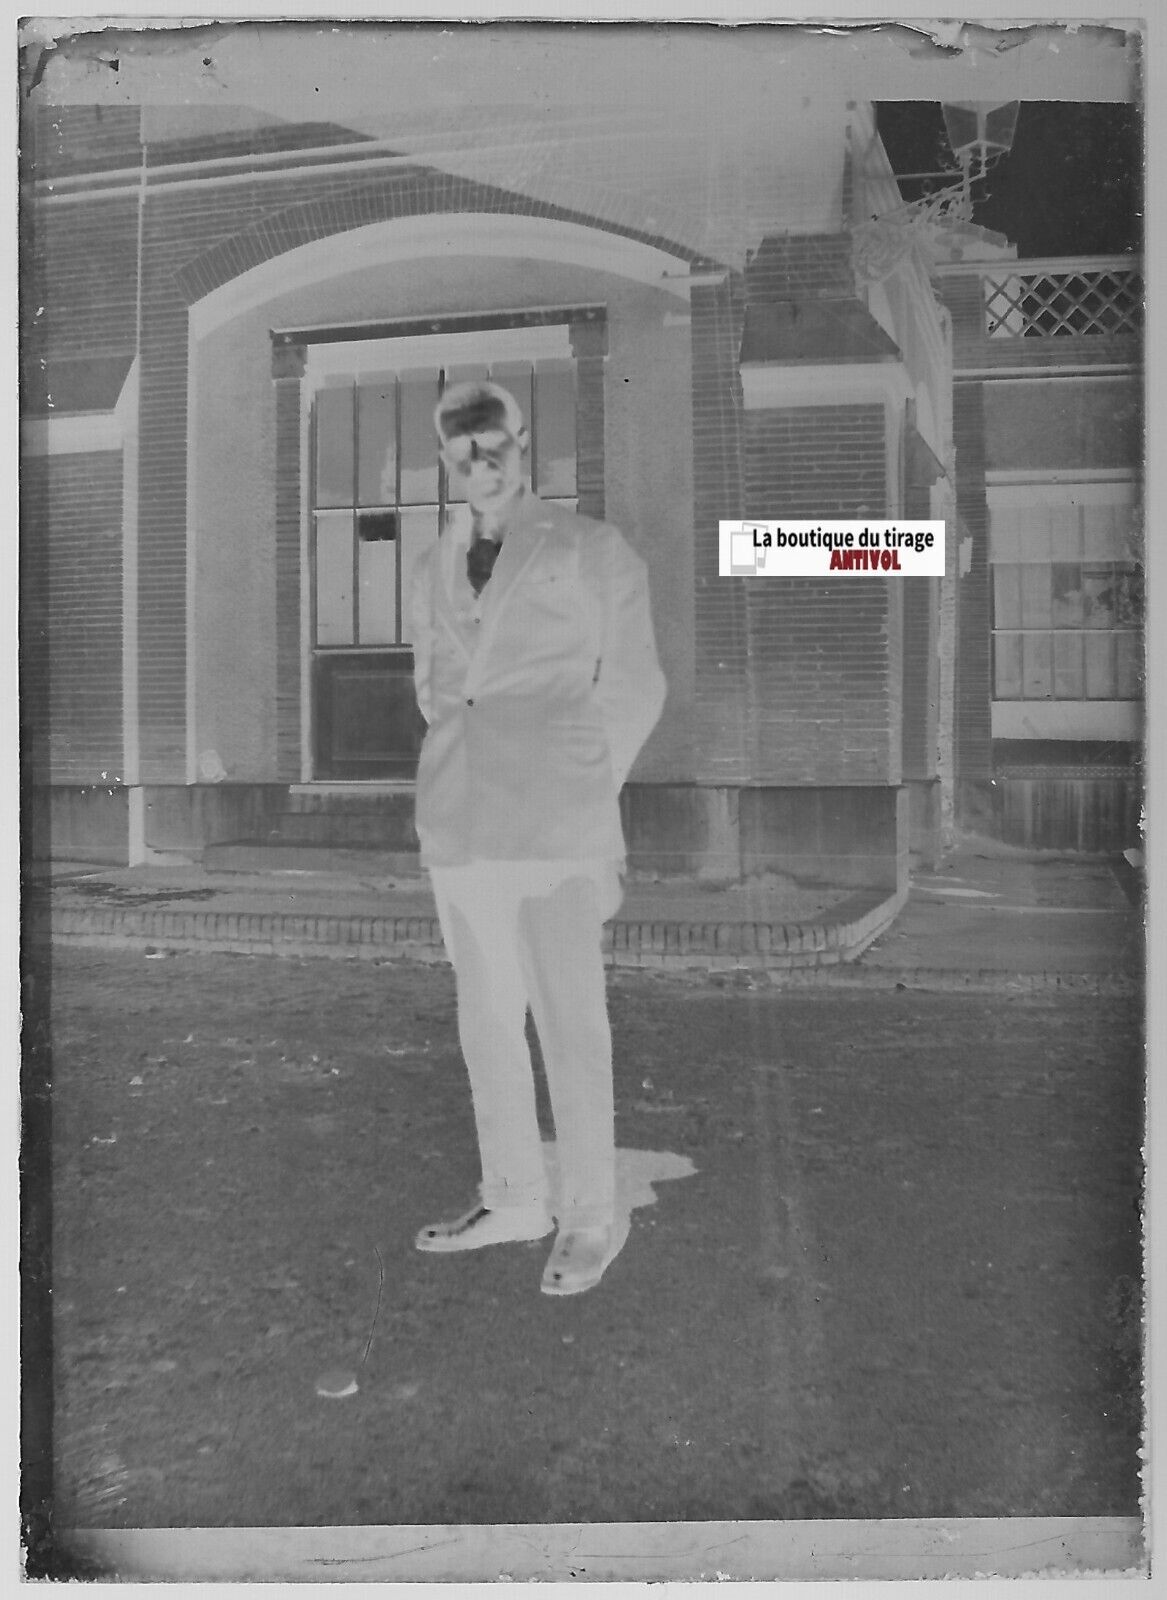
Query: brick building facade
(223, 329)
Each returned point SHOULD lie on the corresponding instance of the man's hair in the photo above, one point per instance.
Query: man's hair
(477, 407)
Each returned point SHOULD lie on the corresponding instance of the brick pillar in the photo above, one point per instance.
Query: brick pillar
(823, 390)
(972, 673)
(589, 343)
(162, 530)
(825, 668)
(287, 371)
(722, 641)
(921, 692)
(35, 570)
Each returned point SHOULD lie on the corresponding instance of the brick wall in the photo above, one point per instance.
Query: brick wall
(79, 265)
(722, 734)
(921, 667)
(61, 140)
(71, 617)
(825, 662)
(589, 343)
(78, 259)
(965, 300)
(797, 682)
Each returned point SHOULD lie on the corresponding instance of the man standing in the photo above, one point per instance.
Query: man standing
(537, 675)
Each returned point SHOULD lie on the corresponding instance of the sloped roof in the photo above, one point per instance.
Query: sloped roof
(70, 388)
(814, 331)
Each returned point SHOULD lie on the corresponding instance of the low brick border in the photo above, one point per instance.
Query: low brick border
(659, 944)
(943, 980)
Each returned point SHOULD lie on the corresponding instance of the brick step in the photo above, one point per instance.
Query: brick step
(378, 830)
(258, 855)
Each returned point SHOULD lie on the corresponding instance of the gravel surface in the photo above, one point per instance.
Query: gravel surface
(902, 1281)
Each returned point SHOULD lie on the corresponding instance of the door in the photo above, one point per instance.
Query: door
(378, 497)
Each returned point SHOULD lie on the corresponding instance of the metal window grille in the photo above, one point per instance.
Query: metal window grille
(1045, 303)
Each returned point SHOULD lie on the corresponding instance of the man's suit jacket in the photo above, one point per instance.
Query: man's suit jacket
(537, 710)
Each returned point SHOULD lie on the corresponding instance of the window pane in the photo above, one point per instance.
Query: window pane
(378, 594)
(1036, 666)
(1007, 534)
(1101, 683)
(1007, 658)
(1035, 595)
(1007, 596)
(334, 577)
(1105, 532)
(1128, 602)
(418, 395)
(1067, 608)
(419, 530)
(1065, 533)
(1069, 668)
(377, 442)
(455, 488)
(1039, 534)
(334, 447)
(554, 430)
(1128, 666)
(515, 376)
(1100, 592)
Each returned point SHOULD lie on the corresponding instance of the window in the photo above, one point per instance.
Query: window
(375, 503)
(1066, 593)
(379, 491)
(377, 496)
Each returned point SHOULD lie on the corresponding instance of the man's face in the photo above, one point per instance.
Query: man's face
(488, 465)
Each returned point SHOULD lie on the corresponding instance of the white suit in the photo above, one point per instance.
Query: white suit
(538, 694)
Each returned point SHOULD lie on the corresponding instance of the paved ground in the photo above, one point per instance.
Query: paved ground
(984, 911)
(899, 1281)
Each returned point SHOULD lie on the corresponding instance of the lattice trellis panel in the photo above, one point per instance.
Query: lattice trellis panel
(1045, 304)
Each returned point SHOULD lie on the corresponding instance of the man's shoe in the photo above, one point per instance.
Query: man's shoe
(579, 1260)
(481, 1226)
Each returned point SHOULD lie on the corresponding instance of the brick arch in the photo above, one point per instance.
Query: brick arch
(371, 209)
(199, 255)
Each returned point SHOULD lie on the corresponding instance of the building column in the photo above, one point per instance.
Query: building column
(589, 344)
(288, 362)
(720, 624)
(921, 659)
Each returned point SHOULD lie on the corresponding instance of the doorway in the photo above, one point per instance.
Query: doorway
(378, 497)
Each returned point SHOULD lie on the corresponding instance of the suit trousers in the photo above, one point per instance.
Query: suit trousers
(528, 934)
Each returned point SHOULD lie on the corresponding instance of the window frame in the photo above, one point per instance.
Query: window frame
(340, 365)
(1035, 548)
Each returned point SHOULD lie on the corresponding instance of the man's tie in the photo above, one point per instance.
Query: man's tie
(480, 557)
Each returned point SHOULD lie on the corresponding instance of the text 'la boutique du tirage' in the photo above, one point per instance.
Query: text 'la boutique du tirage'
(815, 549)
